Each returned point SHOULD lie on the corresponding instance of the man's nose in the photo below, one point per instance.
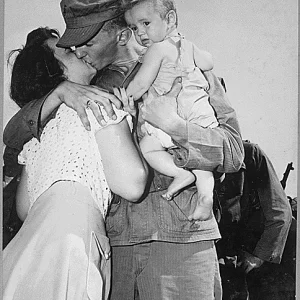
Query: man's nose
(79, 51)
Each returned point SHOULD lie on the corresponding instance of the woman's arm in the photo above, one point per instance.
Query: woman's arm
(148, 71)
(76, 96)
(22, 196)
(29, 121)
(124, 167)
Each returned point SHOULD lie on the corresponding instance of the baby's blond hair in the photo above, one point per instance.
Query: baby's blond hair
(161, 6)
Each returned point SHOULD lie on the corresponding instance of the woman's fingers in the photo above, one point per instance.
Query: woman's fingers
(105, 100)
(77, 97)
(86, 102)
(128, 102)
(81, 112)
(106, 95)
(120, 93)
(123, 95)
(99, 100)
(117, 93)
(96, 109)
(131, 102)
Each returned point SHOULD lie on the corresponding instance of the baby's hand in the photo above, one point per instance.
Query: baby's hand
(128, 102)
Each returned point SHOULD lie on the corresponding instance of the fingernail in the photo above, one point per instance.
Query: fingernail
(103, 123)
(88, 127)
(114, 117)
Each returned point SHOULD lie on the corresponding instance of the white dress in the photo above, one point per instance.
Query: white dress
(67, 151)
(61, 250)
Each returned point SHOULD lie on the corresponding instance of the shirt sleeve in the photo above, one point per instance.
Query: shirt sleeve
(11, 167)
(274, 204)
(278, 220)
(25, 124)
(213, 149)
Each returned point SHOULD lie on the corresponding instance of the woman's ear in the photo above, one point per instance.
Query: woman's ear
(171, 18)
(124, 36)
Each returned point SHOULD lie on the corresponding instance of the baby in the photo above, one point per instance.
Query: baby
(170, 55)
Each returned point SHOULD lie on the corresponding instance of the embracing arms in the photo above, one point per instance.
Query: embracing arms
(220, 149)
(224, 142)
(29, 121)
(124, 166)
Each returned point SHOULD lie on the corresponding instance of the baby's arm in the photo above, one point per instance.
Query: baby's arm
(147, 73)
(203, 59)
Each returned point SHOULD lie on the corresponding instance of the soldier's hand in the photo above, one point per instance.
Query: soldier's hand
(250, 262)
(161, 111)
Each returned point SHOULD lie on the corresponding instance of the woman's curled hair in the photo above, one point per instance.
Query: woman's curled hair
(36, 71)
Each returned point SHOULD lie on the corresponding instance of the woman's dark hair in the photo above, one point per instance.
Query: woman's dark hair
(36, 71)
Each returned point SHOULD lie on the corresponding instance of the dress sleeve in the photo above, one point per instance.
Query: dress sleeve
(22, 158)
(121, 114)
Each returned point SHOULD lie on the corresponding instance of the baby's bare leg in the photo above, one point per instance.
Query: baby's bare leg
(162, 161)
(205, 186)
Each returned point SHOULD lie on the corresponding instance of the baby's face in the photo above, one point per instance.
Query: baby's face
(146, 23)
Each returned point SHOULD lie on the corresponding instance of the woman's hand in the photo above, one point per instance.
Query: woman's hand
(80, 97)
(128, 102)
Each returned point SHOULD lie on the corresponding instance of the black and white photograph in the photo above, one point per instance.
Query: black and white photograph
(115, 112)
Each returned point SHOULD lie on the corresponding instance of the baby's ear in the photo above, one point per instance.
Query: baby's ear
(124, 36)
(171, 18)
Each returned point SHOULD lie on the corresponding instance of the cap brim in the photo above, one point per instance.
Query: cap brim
(78, 36)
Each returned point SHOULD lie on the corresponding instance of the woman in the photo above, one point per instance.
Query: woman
(61, 251)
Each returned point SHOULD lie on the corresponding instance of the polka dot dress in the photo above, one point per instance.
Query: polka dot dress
(67, 151)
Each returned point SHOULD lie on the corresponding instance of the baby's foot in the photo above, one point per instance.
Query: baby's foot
(179, 182)
(201, 213)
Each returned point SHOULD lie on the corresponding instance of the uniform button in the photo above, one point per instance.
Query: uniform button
(31, 122)
(158, 187)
